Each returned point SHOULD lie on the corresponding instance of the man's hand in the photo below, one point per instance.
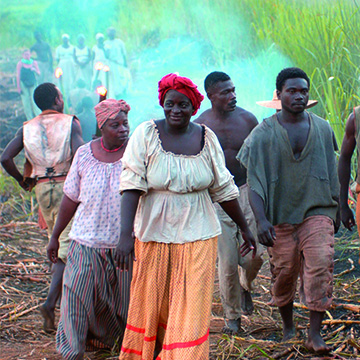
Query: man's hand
(52, 250)
(24, 185)
(266, 233)
(249, 243)
(124, 252)
(347, 217)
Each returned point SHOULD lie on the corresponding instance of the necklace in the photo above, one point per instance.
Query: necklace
(110, 151)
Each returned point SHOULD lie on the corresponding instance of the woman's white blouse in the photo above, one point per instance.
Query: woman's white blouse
(178, 190)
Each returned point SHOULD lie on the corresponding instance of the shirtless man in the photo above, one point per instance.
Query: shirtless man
(232, 125)
(44, 58)
(294, 193)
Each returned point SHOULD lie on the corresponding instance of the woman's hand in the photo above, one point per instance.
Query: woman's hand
(124, 251)
(249, 243)
(52, 249)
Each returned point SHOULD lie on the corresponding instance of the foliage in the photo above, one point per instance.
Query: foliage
(15, 203)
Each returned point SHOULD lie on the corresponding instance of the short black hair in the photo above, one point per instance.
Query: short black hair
(290, 73)
(213, 78)
(45, 95)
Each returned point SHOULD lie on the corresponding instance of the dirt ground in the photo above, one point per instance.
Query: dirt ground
(24, 282)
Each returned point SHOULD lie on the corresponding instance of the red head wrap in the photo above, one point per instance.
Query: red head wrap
(108, 109)
(184, 86)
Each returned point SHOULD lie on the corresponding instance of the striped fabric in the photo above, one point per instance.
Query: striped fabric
(170, 304)
(94, 302)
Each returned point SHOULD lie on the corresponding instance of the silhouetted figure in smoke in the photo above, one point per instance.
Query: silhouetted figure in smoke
(26, 83)
(44, 58)
(76, 96)
(99, 60)
(83, 61)
(119, 73)
(232, 125)
(65, 59)
(87, 119)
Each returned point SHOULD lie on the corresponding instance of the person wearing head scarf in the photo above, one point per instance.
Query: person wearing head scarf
(173, 171)
(64, 55)
(95, 292)
(83, 62)
(119, 74)
(99, 61)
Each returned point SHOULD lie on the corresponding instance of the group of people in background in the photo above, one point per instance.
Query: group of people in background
(78, 71)
(150, 214)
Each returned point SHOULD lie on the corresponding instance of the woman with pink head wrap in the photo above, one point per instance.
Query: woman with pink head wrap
(95, 292)
(174, 170)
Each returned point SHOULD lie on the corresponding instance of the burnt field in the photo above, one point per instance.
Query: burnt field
(25, 278)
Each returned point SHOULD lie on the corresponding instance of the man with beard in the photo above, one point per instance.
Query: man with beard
(294, 193)
(232, 125)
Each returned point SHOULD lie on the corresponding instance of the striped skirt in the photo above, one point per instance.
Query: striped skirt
(94, 303)
(170, 304)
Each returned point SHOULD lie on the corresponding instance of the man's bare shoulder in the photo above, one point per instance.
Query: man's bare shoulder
(204, 117)
(243, 115)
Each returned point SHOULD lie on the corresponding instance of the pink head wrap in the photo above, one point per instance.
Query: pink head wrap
(108, 109)
(184, 86)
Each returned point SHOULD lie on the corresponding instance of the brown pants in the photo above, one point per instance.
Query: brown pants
(231, 276)
(306, 249)
(49, 196)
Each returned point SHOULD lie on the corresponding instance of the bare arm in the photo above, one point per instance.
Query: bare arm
(36, 67)
(233, 209)
(18, 70)
(66, 213)
(76, 135)
(344, 170)
(8, 155)
(129, 203)
(266, 232)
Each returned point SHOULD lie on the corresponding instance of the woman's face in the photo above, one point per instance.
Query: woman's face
(178, 109)
(65, 40)
(26, 54)
(116, 130)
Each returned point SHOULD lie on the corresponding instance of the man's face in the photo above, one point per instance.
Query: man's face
(294, 95)
(222, 96)
(111, 34)
(59, 102)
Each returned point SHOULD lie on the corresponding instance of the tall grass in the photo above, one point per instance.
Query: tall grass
(322, 38)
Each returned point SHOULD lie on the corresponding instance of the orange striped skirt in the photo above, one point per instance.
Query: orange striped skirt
(170, 301)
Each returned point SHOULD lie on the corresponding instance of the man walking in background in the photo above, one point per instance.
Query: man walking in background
(232, 125)
(50, 141)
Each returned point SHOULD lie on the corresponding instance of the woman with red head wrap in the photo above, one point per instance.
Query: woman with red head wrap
(173, 170)
(95, 293)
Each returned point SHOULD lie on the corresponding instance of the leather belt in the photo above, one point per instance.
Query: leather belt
(53, 178)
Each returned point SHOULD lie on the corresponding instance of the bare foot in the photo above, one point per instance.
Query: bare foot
(247, 305)
(317, 345)
(49, 319)
(232, 327)
(288, 333)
